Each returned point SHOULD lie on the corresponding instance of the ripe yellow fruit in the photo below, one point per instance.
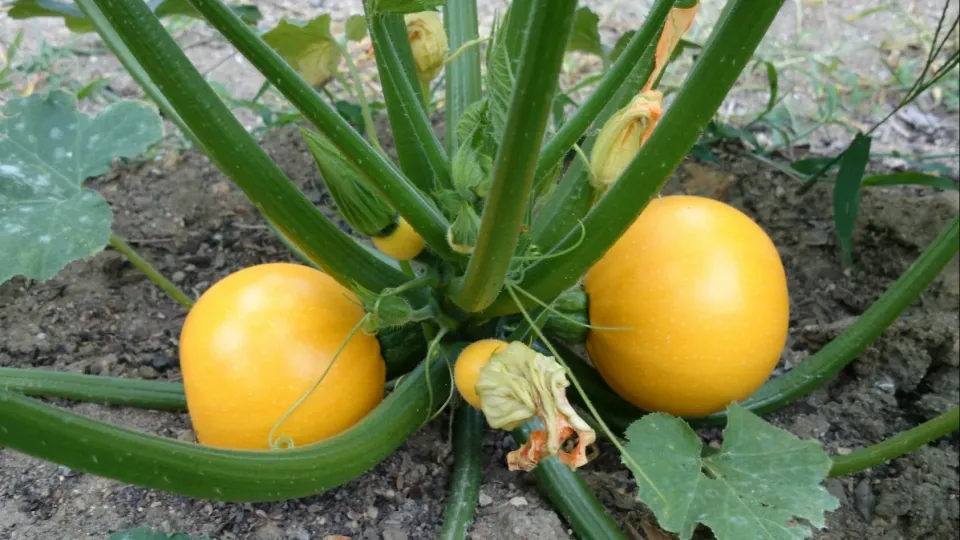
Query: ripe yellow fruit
(258, 340)
(472, 358)
(704, 293)
(402, 243)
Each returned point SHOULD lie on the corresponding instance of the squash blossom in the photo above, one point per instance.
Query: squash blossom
(622, 136)
(519, 384)
(428, 40)
(318, 63)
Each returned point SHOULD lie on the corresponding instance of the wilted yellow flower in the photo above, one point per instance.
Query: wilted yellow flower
(678, 22)
(428, 39)
(622, 136)
(519, 384)
(318, 63)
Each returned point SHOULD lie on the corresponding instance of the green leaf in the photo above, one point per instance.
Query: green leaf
(586, 36)
(71, 14)
(474, 118)
(910, 178)
(93, 87)
(774, 82)
(812, 165)
(356, 27)
(298, 41)
(500, 80)
(351, 112)
(404, 6)
(47, 150)
(143, 533)
(846, 192)
(77, 22)
(759, 485)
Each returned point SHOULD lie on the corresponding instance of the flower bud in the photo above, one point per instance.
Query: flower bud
(622, 136)
(361, 207)
(428, 40)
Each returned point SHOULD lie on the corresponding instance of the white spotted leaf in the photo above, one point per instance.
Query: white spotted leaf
(763, 483)
(47, 150)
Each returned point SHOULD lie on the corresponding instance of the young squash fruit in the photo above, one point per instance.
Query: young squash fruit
(402, 242)
(702, 293)
(258, 340)
(466, 371)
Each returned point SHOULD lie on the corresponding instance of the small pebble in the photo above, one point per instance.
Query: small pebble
(178, 277)
(484, 499)
(518, 502)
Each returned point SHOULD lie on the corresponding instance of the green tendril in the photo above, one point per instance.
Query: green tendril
(285, 441)
(536, 258)
(549, 308)
(431, 352)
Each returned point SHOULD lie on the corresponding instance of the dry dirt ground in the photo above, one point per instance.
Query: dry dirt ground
(101, 316)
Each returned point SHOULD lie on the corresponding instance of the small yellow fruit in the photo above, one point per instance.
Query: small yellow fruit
(466, 371)
(703, 292)
(402, 243)
(258, 340)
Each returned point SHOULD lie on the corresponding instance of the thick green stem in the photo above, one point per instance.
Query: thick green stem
(62, 437)
(165, 396)
(512, 176)
(237, 154)
(421, 155)
(895, 447)
(136, 71)
(361, 96)
(465, 479)
(570, 495)
(382, 175)
(155, 276)
(573, 196)
(643, 43)
(463, 80)
(731, 45)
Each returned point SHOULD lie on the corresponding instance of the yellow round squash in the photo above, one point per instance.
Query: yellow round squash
(703, 292)
(258, 340)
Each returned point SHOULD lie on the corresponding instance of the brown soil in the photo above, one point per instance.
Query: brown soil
(101, 316)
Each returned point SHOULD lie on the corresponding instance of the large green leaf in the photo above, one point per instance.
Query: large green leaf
(47, 150)
(586, 35)
(759, 485)
(143, 533)
(76, 21)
